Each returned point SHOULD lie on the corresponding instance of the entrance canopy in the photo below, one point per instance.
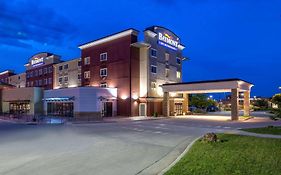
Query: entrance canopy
(211, 86)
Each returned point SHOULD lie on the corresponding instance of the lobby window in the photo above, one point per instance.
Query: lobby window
(167, 72)
(178, 60)
(153, 69)
(50, 69)
(87, 75)
(153, 53)
(66, 66)
(50, 81)
(103, 85)
(178, 74)
(87, 60)
(60, 68)
(103, 72)
(103, 56)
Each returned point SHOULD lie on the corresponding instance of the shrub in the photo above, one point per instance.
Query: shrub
(155, 114)
(210, 137)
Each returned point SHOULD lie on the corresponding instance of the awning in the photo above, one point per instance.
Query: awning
(59, 99)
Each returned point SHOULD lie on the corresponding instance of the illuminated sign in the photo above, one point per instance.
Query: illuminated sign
(167, 40)
(37, 62)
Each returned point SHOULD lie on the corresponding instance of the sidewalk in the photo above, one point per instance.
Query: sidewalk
(137, 118)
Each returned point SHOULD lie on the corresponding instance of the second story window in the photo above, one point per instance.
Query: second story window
(87, 61)
(103, 56)
(103, 72)
(87, 75)
(153, 69)
(153, 53)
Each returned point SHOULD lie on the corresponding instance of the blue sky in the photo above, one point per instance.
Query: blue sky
(223, 38)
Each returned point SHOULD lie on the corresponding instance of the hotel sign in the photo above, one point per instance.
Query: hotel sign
(167, 40)
(37, 61)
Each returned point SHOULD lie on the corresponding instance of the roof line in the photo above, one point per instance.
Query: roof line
(208, 81)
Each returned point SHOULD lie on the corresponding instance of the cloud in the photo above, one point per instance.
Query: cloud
(22, 22)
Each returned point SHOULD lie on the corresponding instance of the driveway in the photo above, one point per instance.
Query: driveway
(130, 147)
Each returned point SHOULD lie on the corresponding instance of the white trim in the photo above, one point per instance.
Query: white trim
(110, 38)
(181, 47)
(105, 53)
(105, 71)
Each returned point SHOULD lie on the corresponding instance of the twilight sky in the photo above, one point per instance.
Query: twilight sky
(223, 38)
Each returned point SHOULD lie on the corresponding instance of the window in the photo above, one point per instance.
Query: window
(153, 53)
(167, 56)
(153, 85)
(19, 77)
(167, 71)
(66, 79)
(178, 60)
(36, 73)
(36, 82)
(40, 82)
(154, 69)
(87, 75)
(50, 69)
(103, 85)
(79, 76)
(178, 74)
(27, 84)
(87, 60)
(46, 81)
(31, 84)
(66, 66)
(79, 63)
(60, 80)
(103, 72)
(45, 70)
(103, 56)
(40, 71)
(31, 74)
(50, 81)
(60, 68)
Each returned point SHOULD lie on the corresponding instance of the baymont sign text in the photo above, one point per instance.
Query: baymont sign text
(166, 40)
(37, 61)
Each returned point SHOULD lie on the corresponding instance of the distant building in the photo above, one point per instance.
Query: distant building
(18, 80)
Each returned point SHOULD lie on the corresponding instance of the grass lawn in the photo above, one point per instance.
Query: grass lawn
(267, 130)
(234, 156)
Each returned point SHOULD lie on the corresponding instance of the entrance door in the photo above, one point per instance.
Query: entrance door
(178, 108)
(107, 109)
(142, 109)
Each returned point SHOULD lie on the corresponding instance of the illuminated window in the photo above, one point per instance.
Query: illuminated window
(103, 72)
(178, 60)
(87, 60)
(87, 75)
(154, 69)
(167, 71)
(103, 56)
(103, 85)
(167, 56)
(153, 85)
(178, 74)
(153, 53)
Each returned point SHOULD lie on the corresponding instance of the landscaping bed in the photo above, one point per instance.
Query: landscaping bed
(275, 130)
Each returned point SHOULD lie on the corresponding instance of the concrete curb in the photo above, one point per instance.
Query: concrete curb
(162, 165)
(180, 157)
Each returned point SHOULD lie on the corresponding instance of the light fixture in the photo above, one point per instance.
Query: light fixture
(124, 97)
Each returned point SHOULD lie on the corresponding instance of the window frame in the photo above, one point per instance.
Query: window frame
(101, 71)
(101, 56)
(152, 69)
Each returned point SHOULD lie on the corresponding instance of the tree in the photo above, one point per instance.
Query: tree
(277, 100)
(201, 101)
(261, 103)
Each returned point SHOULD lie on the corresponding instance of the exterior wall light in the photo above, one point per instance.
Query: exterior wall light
(135, 97)
(124, 97)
